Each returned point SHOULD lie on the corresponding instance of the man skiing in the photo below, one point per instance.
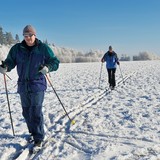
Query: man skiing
(111, 59)
(33, 59)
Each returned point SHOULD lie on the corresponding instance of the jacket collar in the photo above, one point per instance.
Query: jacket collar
(23, 43)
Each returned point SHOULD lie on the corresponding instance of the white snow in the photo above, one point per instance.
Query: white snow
(120, 125)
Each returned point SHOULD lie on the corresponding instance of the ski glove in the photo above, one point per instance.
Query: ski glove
(102, 60)
(44, 70)
(118, 63)
(3, 69)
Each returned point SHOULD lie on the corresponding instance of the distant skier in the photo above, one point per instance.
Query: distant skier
(111, 59)
(33, 59)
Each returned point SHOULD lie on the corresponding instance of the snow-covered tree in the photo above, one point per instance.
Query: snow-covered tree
(9, 38)
(17, 38)
(1, 36)
(146, 56)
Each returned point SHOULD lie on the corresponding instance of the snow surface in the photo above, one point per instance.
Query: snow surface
(123, 124)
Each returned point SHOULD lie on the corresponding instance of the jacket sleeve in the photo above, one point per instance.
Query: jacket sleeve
(116, 57)
(51, 61)
(10, 61)
(104, 57)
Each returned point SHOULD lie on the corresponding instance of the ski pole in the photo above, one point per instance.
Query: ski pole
(72, 121)
(5, 82)
(8, 76)
(100, 75)
(121, 74)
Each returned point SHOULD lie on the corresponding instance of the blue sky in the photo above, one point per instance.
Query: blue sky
(130, 26)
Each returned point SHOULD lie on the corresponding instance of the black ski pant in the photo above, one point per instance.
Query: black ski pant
(111, 77)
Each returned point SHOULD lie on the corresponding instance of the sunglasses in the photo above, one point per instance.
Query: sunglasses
(28, 35)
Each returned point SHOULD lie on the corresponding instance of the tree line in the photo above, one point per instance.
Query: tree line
(67, 55)
(6, 38)
(142, 56)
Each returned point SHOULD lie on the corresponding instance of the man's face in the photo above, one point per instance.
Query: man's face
(110, 49)
(30, 39)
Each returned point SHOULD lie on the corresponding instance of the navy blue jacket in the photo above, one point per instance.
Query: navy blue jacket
(28, 63)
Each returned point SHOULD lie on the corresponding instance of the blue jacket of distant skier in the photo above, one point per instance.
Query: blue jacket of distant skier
(28, 63)
(111, 60)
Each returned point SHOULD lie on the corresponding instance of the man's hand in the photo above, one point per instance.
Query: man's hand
(102, 60)
(44, 70)
(118, 63)
(3, 70)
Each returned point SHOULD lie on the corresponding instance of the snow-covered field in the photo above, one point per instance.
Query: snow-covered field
(120, 125)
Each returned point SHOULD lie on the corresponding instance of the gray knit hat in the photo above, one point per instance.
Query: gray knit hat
(29, 30)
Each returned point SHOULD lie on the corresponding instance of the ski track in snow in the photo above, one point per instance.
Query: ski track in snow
(123, 124)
